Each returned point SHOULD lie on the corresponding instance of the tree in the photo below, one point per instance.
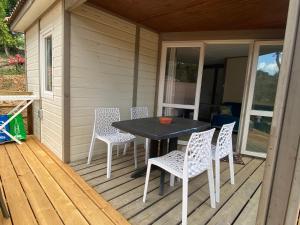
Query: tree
(8, 40)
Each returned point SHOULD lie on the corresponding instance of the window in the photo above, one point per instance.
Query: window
(48, 64)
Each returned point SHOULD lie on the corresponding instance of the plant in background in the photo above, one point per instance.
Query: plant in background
(9, 40)
(17, 61)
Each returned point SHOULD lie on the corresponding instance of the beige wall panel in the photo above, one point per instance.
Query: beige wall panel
(52, 124)
(32, 72)
(102, 64)
(235, 73)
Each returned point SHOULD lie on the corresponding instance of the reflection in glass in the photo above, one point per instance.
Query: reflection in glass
(258, 135)
(183, 113)
(267, 74)
(48, 62)
(181, 75)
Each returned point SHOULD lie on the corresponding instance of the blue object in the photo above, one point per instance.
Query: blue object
(218, 120)
(3, 136)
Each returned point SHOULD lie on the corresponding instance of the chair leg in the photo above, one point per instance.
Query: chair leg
(231, 168)
(184, 200)
(125, 149)
(109, 159)
(91, 150)
(217, 174)
(135, 154)
(172, 180)
(147, 145)
(210, 175)
(118, 150)
(147, 182)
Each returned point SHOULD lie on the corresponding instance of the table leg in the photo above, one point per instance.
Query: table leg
(173, 144)
(153, 153)
(163, 151)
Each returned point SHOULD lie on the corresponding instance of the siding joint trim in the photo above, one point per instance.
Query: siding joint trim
(136, 66)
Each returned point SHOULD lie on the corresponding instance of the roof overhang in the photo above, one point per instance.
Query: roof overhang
(200, 15)
(28, 12)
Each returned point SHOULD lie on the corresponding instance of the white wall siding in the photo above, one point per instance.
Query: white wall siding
(102, 64)
(51, 124)
(148, 53)
(32, 72)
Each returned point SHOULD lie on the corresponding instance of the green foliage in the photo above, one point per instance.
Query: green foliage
(8, 39)
(12, 71)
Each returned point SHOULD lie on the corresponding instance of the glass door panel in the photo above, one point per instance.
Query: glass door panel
(180, 79)
(181, 74)
(263, 86)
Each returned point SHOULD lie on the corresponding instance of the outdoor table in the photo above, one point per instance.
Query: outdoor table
(156, 132)
(26, 100)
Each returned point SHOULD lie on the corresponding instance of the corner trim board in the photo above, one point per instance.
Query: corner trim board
(136, 65)
(66, 85)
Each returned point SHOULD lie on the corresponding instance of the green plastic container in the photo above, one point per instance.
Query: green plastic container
(17, 128)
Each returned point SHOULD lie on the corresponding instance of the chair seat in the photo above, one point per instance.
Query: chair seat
(173, 163)
(117, 138)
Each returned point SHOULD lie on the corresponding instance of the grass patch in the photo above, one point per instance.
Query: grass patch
(11, 71)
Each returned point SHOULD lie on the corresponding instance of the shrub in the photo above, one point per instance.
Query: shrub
(17, 61)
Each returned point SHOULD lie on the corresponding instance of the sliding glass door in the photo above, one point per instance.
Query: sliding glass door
(180, 79)
(261, 97)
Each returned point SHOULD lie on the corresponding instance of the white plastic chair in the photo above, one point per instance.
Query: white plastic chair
(139, 113)
(196, 160)
(104, 131)
(222, 149)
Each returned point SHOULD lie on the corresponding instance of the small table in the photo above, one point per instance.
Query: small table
(152, 129)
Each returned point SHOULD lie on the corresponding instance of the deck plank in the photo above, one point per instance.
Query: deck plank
(4, 221)
(125, 194)
(249, 213)
(40, 204)
(61, 202)
(230, 210)
(84, 165)
(114, 215)
(18, 204)
(123, 166)
(121, 160)
(117, 187)
(198, 190)
(87, 207)
(205, 213)
(116, 174)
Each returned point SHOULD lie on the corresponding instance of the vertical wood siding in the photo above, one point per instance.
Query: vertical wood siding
(32, 72)
(101, 74)
(147, 69)
(51, 124)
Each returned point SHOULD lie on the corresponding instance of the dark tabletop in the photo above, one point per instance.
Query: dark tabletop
(151, 128)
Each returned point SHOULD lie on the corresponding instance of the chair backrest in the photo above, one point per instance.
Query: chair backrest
(139, 112)
(104, 117)
(224, 142)
(198, 153)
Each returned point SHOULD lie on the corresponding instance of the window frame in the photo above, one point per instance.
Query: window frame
(43, 36)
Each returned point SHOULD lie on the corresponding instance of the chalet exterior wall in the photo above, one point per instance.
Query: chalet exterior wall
(49, 128)
(148, 53)
(32, 71)
(102, 71)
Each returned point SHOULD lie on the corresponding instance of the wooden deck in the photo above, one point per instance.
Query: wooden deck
(40, 189)
(238, 204)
